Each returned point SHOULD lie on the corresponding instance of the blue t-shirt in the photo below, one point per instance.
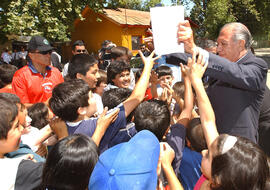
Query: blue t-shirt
(190, 168)
(124, 135)
(176, 139)
(88, 127)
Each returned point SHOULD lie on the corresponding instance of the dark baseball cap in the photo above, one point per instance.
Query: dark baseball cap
(39, 43)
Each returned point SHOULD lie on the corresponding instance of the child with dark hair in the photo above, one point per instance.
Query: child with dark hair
(40, 122)
(98, 91)
(70, 163)
(113, 98)
(116, 96)
(72, 101)
(39, 113)
(19, 173)
(230, 162)
(121, 53)
(6, 74)
(75, 153)
(165, 76)
(154, 115)
(118, 75)
(164, 90)
(24, 149)
(190, 168)
(85, 67)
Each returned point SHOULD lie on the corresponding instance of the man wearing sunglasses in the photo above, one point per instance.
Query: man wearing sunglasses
(34, 82)
(78, 47)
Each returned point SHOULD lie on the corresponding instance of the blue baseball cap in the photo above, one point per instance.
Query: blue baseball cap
(129, 165)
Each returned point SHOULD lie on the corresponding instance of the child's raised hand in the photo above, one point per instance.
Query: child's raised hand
(150, 60)
(166, 95)
(167, 154)
(105, 119)
(103, 123)
(154, 78)
(195, 68)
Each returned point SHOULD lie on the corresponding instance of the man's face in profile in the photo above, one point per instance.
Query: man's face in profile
(227, 46)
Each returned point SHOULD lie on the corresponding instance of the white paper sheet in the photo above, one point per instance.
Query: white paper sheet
(165, 22)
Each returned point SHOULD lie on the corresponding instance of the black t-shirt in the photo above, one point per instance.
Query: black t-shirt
(29, 175)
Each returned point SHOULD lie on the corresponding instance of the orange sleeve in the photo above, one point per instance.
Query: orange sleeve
(19, 87)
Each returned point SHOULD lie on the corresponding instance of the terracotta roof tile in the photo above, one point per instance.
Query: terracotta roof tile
(128, 16)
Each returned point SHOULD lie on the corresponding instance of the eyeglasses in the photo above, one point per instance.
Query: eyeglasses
(45, 52)
(81, 50)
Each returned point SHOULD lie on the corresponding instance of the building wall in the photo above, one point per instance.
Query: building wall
(128, 32)
(94, 32)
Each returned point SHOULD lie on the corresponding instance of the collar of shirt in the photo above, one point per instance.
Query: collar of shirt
(33, 69)
(241, 57)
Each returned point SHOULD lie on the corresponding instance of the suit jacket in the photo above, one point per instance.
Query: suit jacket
(236, 95)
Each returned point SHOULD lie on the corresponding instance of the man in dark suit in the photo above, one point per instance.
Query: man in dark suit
(237, 93)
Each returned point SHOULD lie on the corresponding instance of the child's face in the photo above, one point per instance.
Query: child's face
(100, 88)
(22, 116)
(92, 108)
(122, 80)
(91, 77)
(207, 158)
(166, 79)
(11, 143)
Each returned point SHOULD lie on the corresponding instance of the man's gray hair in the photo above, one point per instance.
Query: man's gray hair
(241, 32)
(208, 44)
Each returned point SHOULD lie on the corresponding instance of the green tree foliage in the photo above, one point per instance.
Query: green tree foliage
(143, 5)
(211, 15)
(53, 18)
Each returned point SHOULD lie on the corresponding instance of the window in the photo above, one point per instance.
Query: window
(136, 41)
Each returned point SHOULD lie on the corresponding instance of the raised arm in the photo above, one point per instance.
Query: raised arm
(139, 91)
(195, 71)
(248, 73)
(188, 101)
(166, 156)
(249, 76)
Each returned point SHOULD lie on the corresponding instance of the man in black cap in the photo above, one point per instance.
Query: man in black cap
(34, 82)
(78, 47)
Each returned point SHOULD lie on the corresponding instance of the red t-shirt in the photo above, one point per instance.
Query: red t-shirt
(148, 94)
(32, 87)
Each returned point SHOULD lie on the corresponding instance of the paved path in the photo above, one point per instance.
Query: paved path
(265, 54)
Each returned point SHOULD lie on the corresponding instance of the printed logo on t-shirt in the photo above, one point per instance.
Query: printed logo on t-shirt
(45, 42)
(47, 87)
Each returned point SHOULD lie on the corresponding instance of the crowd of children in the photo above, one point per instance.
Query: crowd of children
(115, 129)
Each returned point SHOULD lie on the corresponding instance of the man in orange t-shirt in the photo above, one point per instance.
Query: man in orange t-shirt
(34, 82)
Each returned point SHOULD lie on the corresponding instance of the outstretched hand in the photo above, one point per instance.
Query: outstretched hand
(185, 35)
(150, 60)
(195, 68)
(167, 154)
(103, 123)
